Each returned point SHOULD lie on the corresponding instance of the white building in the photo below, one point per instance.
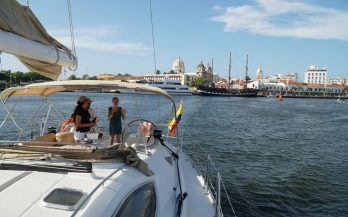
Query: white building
(279, 77)
(178, 67)
(341, 81)
(315, 75)
(273, 86)
(267, 85)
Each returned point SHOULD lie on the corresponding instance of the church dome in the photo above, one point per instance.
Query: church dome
(178, 66)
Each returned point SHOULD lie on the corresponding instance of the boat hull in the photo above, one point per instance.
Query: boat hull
(213, 91)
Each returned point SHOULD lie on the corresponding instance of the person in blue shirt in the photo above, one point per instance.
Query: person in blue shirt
(115, 114)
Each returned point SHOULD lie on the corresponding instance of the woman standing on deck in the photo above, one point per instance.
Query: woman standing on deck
(82, 118)
(114, 116)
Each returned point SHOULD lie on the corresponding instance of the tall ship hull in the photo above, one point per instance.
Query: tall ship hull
(213, 91)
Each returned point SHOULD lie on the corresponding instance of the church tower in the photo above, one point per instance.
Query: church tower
(259, 75)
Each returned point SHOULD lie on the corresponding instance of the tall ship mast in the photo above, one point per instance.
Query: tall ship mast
(212, 71)
(229, 72)
(246, 72)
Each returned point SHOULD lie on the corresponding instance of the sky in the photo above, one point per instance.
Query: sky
(114, 36)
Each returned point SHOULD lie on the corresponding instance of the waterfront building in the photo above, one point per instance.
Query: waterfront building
(222, 84)
(105, 77)
(200, 69)
(267, 85)
(204, 71)
(216, 77)
(290, 76)
(188, 77)
(315, 75)
(322, 88)
(287, 86)
(179, 74)
(341, 81)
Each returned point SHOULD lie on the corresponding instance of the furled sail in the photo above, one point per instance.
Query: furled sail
(22, 34)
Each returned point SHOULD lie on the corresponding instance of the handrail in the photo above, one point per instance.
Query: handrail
(208, 185)
(93, 191)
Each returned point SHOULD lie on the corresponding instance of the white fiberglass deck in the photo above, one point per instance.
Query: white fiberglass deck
(24, 196)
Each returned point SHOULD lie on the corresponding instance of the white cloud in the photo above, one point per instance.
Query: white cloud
(286, 18)
(100, 38)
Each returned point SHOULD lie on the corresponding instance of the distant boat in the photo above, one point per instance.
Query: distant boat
(340, 100)
(173, 87)
(269, 95)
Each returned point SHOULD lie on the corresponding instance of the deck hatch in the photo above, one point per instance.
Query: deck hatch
(63, 198)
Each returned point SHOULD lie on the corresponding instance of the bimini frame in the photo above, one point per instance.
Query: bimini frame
(45, 89)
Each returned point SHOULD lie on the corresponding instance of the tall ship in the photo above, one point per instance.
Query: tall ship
(173, 87)
(229, 92)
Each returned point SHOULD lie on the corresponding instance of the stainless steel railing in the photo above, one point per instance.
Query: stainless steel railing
(218, 189)
(208, 171)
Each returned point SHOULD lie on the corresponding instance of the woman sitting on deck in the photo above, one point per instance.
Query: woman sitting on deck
(114, 116)
(82, 118)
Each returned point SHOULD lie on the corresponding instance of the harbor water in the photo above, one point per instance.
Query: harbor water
(285, 158)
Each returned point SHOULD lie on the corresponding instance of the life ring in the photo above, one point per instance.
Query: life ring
(66, 124)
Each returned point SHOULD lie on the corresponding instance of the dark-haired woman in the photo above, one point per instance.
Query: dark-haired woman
(115, 114)
(82, 118)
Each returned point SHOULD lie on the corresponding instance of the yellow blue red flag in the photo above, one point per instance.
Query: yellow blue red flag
(175, 121)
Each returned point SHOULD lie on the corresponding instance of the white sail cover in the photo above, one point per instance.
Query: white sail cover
(20, 20)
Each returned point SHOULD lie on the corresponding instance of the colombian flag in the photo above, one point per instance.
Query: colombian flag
(175, 121)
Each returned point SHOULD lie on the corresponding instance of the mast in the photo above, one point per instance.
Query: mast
(229, 73)
(246, 72)
(212, 70)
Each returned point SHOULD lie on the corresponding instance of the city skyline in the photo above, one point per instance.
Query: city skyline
(282, 36)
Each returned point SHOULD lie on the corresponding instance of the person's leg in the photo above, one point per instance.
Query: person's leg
(112, 139)
(118, 138)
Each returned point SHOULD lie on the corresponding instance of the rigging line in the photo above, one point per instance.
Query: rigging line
(71, 28)
(72, 37)
(153, 38)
